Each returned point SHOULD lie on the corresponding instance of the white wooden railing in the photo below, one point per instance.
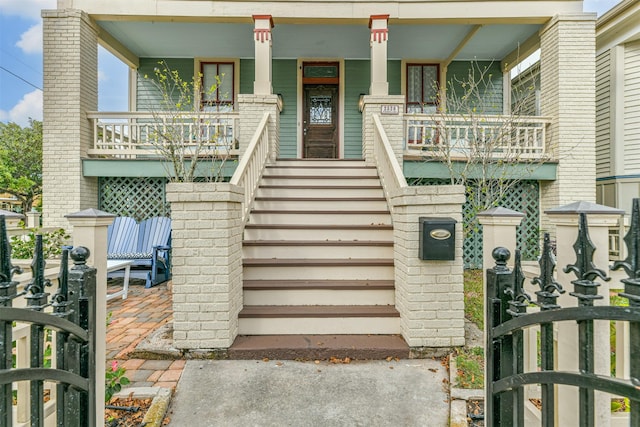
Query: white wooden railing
(391, 174)
(130, 135)
(249, 170)
(458, 136)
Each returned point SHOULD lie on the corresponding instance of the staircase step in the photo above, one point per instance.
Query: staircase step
(324, 170)
(308, 163)
(314, 297)
(314, 269)
(317, 203)
(317, 284)
(317, 232)
(316, 249)
(343, 191)
(312, 347)
(320, 180)
(329, 217)
(345, 319)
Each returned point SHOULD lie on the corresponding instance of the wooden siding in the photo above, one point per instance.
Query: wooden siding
(247, 75)
(357, 80)
(491, 90)
(147, 94)
(285, 83)
(603, 114)
(632, 108)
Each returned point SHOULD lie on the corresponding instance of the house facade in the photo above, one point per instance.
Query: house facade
(618, 105)
(362, 88)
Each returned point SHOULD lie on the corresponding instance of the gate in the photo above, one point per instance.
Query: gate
(70, 312)
(507, 317)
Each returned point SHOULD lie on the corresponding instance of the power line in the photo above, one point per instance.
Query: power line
(17, 76)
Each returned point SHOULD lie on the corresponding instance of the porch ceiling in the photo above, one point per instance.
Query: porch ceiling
(429, 41)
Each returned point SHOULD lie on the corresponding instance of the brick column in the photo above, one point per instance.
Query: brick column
(378, 43)
(498, 229)
(567, 78)
(252, 108)
(600, 219)
(429, 294)
(70, 90)
(392, 122)
(263, 41)
(90, 230)
(206, 263)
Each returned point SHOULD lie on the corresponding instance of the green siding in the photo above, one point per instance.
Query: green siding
(247, 74)
(489, 77)
(147, 94)
(357, 80)
(285, 83)
(394, 77)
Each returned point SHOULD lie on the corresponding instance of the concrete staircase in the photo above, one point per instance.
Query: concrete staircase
(318, 252)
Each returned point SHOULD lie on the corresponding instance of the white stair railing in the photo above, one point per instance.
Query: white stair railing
(389, 170)
(249, 170)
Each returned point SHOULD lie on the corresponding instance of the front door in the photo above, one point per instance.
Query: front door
(320, 121)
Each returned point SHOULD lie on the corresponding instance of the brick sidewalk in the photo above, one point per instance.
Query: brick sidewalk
(144, 311)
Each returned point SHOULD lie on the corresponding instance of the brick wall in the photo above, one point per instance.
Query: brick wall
(429, 294)
(206, 263)
(70, 90)
(393, 125)
(252, 108)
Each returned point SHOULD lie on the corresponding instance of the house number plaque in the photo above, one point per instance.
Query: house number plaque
(390, 109)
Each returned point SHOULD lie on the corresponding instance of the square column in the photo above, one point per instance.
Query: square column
(70, 90)
(378, 44)
(263, 42)
(567, 78)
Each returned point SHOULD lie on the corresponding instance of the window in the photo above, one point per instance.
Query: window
(220, 99)
(422, 88)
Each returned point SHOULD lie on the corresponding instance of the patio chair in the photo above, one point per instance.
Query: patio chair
(147, 244)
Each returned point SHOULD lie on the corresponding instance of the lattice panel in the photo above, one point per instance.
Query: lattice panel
(140, 198)
(523, 197)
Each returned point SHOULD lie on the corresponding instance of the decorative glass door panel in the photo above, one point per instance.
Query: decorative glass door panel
(320, 129)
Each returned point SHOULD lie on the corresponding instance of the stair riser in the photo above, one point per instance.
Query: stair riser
(319, 297)
(318, 252)
(306, 234)
(322, 163)
(320, 192)
(314, 205)
(320, 326)
(366, 181)
(332, 171)
(319, 273)
(319, 218)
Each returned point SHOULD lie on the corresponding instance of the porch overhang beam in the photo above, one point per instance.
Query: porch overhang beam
(472, 32)
(119, 50)
(523, 51)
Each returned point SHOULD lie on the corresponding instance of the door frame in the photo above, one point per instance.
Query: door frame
(300, 101)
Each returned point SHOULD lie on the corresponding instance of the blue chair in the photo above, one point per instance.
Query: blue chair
(147, 244)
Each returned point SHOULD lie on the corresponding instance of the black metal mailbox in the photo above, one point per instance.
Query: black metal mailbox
(437, 239)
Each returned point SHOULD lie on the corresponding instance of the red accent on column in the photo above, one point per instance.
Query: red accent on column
(262, 34)
(269, 17)
(380, 35)
(374, 17)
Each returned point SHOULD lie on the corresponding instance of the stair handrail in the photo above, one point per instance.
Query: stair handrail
(249, 170)
(391, 174)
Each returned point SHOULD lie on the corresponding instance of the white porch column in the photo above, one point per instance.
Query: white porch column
(263, 41)
(567, 79)
(90, 230)
(498, 229)
(378, 43)
(70, 90)
(599, 219)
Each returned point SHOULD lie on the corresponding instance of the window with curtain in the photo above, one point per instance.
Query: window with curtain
(220, 99)
(422, 88)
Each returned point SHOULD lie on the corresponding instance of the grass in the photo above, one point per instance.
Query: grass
(474, 297)
(470, 366)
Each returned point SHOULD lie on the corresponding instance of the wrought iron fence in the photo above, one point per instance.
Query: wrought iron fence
(507, 318)
(70, 313)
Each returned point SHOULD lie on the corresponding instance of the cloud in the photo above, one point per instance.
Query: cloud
(30, 106)
(102, 76)
(28, 9)
(31, 40)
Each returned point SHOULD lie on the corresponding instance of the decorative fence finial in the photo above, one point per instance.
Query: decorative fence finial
(6, 269)
(519, 298)
(631, 265)
(501, 256)
(584, 268)
(548, 285)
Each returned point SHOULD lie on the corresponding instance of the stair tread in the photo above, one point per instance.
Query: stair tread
(323, 226)
(317, 243)
(317, 284)
(323, 187)
(265, 262)
(345, 177)
(320, 199)
(272, 311)
(320, 212)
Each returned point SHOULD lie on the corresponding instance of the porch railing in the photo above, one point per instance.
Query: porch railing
(460, 136)
(251, 166)
(391, 175)
(131, 135)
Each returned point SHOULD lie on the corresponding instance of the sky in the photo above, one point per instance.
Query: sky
(21, 62)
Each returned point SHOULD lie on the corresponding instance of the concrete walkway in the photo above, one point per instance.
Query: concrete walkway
(286, 393)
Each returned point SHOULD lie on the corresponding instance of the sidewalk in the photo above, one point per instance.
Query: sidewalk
(144, 311)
